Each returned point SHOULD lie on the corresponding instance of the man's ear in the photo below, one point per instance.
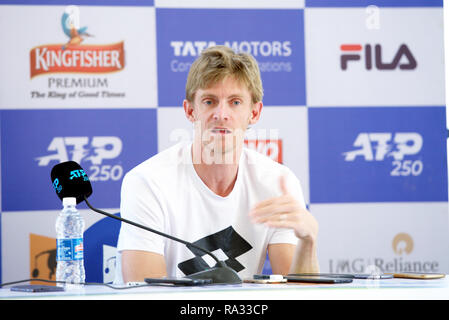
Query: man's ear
(256, 110)
(188, 110)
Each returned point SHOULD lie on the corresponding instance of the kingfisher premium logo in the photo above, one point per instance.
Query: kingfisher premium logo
(74, 57)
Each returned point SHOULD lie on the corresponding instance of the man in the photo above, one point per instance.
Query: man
(214, 192)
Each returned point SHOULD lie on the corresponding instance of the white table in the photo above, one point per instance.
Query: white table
(385, 289)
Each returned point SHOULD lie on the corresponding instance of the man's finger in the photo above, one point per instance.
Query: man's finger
(268, 202)
(268, 212)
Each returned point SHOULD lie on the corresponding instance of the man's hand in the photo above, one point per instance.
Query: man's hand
(286, 212)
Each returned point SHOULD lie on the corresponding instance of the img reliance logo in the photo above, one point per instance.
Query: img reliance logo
(402, 245)
(379, 146)
(92, 149)
(403, 58)
(72, 57)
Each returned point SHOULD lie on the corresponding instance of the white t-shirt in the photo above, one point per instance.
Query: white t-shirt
(166, 194)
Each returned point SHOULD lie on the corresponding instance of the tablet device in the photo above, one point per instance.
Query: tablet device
(36, 288)
(372, 276)
(178, 281)
(325, 275)
(316, 279)
(265, 281)
(412, 275)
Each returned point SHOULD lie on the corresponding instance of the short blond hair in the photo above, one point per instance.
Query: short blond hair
(216, 63)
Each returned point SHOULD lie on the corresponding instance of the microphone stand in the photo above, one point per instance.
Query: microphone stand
(219, 274)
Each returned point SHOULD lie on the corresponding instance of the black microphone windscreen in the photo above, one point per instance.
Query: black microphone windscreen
(70, 180)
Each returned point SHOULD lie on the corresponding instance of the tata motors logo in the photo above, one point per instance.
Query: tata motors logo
(182, 36)
(380, 146)
(88, 149)
(372, 56)
(73, 56)
(255, 48)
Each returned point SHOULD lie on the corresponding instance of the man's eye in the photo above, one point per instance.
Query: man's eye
(208, 102)
(236, 102)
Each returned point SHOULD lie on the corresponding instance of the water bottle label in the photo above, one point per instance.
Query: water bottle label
(69, 249)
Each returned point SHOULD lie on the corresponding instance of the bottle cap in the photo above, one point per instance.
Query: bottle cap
(69, 201)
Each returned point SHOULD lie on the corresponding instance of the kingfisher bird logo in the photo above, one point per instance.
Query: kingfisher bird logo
(71, 27)
(73, 56)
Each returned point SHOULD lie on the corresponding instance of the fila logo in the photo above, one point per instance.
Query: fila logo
(95, 149)
(376, 146)
(353, 52)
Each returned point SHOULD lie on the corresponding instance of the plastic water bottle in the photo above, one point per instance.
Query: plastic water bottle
(69, 244)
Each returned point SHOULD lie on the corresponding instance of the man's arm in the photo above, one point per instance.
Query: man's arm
(138, 265)
(286, 212)
(287, 258)
(140, 203)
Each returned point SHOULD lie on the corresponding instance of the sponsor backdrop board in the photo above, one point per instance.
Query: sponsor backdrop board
(377, 154)
(105, 65)
(33, 141)
(279, 51)
(354, 104)
(370, 58)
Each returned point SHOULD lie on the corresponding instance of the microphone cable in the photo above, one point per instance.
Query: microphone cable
(188, 244)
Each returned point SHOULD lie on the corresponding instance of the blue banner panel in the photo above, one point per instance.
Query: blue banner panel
(106, 143)
(385, 154)
(81, 2)
(379, 3)
(1, 272)
(100, 262)
(183, 33)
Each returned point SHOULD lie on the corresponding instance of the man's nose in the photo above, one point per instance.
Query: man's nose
(221, 112)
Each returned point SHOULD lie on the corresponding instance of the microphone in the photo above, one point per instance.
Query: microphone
(70, 180)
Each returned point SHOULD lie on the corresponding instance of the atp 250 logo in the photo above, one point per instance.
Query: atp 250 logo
(88, 149)
(379, 146)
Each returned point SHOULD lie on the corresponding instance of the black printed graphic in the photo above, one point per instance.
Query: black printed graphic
(228, 240)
